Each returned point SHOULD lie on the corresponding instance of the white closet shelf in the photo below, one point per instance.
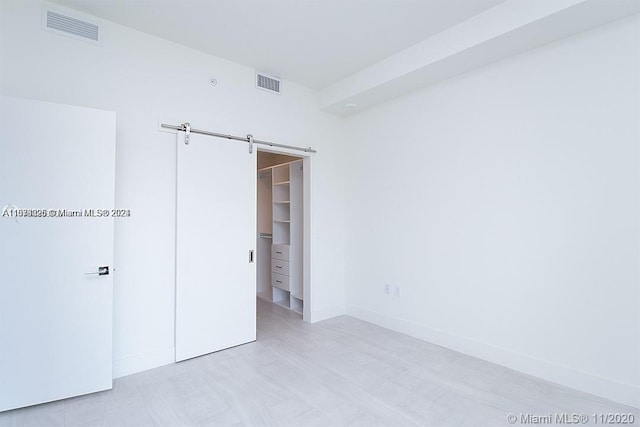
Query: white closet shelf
(286, 251)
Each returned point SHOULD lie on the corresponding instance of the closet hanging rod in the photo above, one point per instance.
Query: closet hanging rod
(186, 127)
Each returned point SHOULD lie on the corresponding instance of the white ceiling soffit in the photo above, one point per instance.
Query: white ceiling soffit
(504, 30)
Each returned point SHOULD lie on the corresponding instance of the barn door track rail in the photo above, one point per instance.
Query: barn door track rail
(188, 130)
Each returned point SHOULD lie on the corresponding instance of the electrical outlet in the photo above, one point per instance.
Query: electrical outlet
(386, 288)
(396, 290)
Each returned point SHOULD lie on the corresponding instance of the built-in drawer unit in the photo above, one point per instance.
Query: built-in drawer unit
(280, 281)
(280, 252)
(279, 266)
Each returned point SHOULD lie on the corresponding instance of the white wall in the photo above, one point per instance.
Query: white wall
(142, 78)
(505, 204)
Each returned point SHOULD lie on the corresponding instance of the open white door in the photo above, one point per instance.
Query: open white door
(216, 230)
(55, 320)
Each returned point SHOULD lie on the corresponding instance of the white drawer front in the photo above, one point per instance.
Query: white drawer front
(280, 252)
(279, 266)
(280, 281)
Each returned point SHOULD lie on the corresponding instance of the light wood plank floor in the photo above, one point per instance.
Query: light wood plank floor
(340, 372)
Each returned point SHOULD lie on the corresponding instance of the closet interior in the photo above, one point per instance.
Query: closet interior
(280, 230)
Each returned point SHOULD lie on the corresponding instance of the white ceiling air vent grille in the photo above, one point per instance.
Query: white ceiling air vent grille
(61, 23)
(268, 83)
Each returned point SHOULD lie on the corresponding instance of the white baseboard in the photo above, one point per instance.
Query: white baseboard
(327, 313)
(620, 392)
(142, 362)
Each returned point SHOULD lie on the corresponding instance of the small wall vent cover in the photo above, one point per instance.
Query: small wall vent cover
(268, 83)
(62, 23)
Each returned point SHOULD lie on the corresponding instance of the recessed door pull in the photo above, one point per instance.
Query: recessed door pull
(102, 271)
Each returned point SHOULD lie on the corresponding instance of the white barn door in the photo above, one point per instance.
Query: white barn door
(216, 230)
(55, 319)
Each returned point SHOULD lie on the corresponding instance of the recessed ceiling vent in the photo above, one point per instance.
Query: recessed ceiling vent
(268, 83)
(64, 24)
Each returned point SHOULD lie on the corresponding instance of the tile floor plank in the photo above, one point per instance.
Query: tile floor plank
(340, 372)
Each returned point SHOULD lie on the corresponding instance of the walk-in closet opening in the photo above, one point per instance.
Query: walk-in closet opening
(280, 225)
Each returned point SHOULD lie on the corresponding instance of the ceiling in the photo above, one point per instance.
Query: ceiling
(312, 42)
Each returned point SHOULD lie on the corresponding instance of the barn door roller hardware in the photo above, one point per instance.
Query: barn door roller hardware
(188, 130)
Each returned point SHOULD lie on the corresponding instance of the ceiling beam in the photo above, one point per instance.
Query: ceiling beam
(502, 31)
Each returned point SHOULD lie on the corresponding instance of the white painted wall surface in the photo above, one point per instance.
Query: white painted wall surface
(141, 78)
(505, 204)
